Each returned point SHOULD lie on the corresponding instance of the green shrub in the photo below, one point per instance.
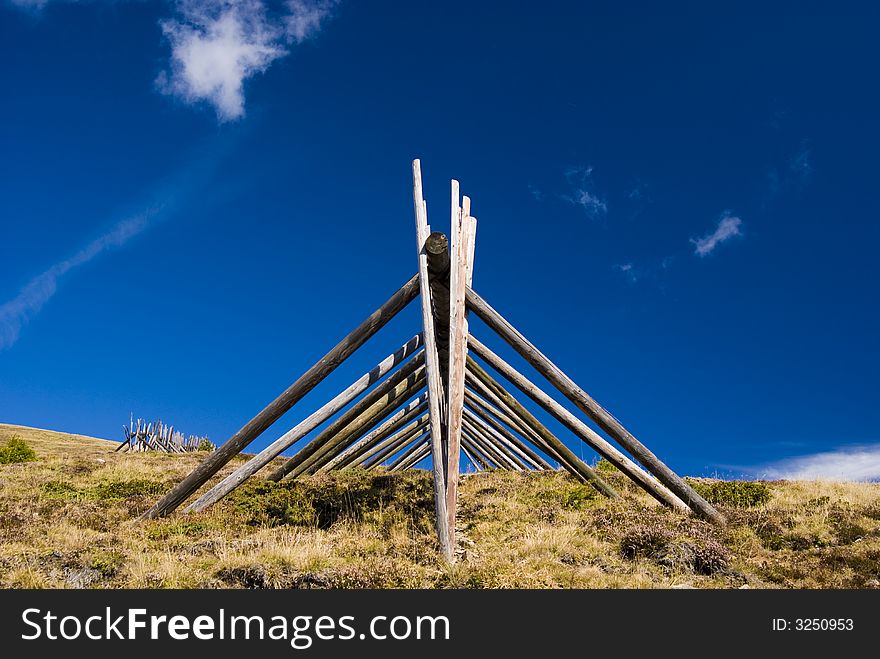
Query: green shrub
(106, 491)
(16, 450)
(206, 445)
(323, 500)
(736, 494)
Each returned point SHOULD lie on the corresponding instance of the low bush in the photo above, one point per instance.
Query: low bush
(736, 494)
(16, 450)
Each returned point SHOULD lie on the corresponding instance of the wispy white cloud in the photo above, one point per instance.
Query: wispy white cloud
(306, 17)
(535, 192)
(583, 192)
(217, 45)
(859, 463)
(728, 227)
(15, 313)
(801, 163)
(628, 270)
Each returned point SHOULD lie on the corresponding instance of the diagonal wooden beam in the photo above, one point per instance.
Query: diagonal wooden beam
(418, 456)
(478, 452)
(514, 431)
(579, 429)
(409, 430)
(568, 459)
(376, 395)
(504, 453)
(432, 364)
(604, 419)
(365, 421)
(523, 453)
(503, 411)
(272, 412)
(478, 464)
(397, 445)
(410, 452)
(304, 427)
(399, 419)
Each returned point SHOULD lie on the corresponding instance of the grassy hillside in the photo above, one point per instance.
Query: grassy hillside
(67, 520)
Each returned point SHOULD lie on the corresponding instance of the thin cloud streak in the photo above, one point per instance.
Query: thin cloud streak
(859, 463)
(16, 313)
(728, 227)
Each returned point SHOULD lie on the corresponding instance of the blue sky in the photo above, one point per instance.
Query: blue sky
(677, 202)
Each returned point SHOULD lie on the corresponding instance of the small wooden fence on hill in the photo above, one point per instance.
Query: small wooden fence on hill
(156, 436)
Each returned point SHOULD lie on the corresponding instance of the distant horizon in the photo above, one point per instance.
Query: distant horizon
(676, 203)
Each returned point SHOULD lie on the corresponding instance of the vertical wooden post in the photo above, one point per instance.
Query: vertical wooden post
(432, 366)
(458, 272)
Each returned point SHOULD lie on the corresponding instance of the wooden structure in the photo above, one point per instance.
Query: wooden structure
(431, 399)
(156, 436)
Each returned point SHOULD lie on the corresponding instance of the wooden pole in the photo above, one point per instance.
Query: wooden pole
(410, 430)
(396, 421)
(403, 439)
(409, 451)
(488, 450)
(304, 427)
(423, 452)
(272, 412)
(500, 449)
(578, 428)
(568, 459)
(511, 417)
(468, 449)
(484, 418)
(468, 440)
(596, 412)
(432, 367)
(359, 418)
(367, 420)
(458, 273)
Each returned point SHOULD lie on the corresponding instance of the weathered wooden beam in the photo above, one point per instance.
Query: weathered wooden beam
(568, 459)
(408, 452)
(399, 419)
(486, 462)
(423, 452)
(379, 446)
(272, 412)
(432, 367)
(437, 251)
(511, 417)
(467, 449)
(487, 450)
(390, 449)
(604, 419)
(578, 428)
(481, 416)
(304, 427)
(366, 420)
(377, 394)
(506, 455)
(462, 225)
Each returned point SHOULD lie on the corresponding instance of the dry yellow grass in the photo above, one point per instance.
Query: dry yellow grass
(68, 519)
